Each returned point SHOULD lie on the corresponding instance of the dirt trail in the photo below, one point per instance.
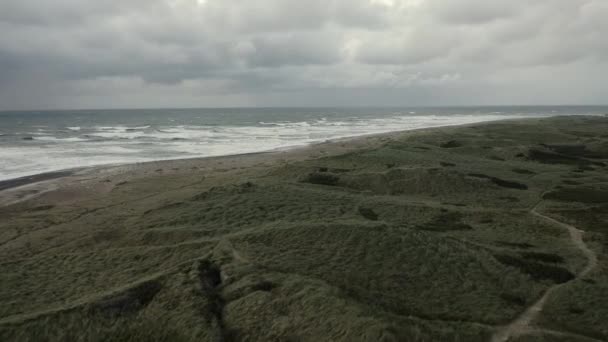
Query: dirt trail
(576, 235)
(521, 325)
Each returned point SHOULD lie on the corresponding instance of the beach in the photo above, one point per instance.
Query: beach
(35, 142)
(436, 234)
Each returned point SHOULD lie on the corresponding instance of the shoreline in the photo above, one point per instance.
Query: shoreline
(35, 178)
(53, 175)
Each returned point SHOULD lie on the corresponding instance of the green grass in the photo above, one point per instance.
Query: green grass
(423, 236)
(580, 307)
(583, 195)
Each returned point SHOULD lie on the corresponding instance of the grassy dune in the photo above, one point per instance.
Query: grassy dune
(414, 236)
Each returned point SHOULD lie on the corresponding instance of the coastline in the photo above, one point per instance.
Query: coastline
(19, 189)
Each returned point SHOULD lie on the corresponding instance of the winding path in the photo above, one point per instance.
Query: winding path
(521, 325)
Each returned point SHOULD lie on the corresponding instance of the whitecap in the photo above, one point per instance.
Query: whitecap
(138, 127)
(51, 138)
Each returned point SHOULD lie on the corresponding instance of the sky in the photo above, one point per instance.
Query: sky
(61, 54)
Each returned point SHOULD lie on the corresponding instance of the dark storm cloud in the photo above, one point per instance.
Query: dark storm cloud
(76, 53)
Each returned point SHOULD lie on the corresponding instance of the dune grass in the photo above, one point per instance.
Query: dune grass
(422, 236)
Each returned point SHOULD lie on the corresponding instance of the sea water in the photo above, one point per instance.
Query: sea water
(40, 141)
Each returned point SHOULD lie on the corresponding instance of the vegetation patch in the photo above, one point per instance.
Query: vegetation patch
(265, 286)
(324, 178)
(450, 221)
(130, 300)
(576, 150)
(333, 170)
(583, 168)
(243, 188)
(368, 214)
(592, 218)
(583, 195)
(523, 245)
(543, 257)
(509, 199)
(554, 158)
(576, 310)
(451, 144)
(513, 299)
(166, 207)
(42, 208)
(523, 171)
(455, 204)
(536, 270)
(501, 182)
(209, 275)
(210, 279)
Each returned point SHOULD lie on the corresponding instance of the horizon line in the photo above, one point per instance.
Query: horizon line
(302, 107)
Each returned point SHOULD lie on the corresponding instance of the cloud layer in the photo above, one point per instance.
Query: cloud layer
(174, 53)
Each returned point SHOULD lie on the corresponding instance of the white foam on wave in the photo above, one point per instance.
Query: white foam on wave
(56, 139)
(19, 162)
(269, 136)
(121, 127)
(118, 135)
(286, 124)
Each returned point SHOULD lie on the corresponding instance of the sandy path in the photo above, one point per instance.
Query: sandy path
(521, 325)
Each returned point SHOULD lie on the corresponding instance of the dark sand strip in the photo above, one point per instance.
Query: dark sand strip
(17, 182)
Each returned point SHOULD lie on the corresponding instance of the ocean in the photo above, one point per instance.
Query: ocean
(33, 142)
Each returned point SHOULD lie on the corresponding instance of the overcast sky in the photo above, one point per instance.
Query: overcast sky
(188, 53)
